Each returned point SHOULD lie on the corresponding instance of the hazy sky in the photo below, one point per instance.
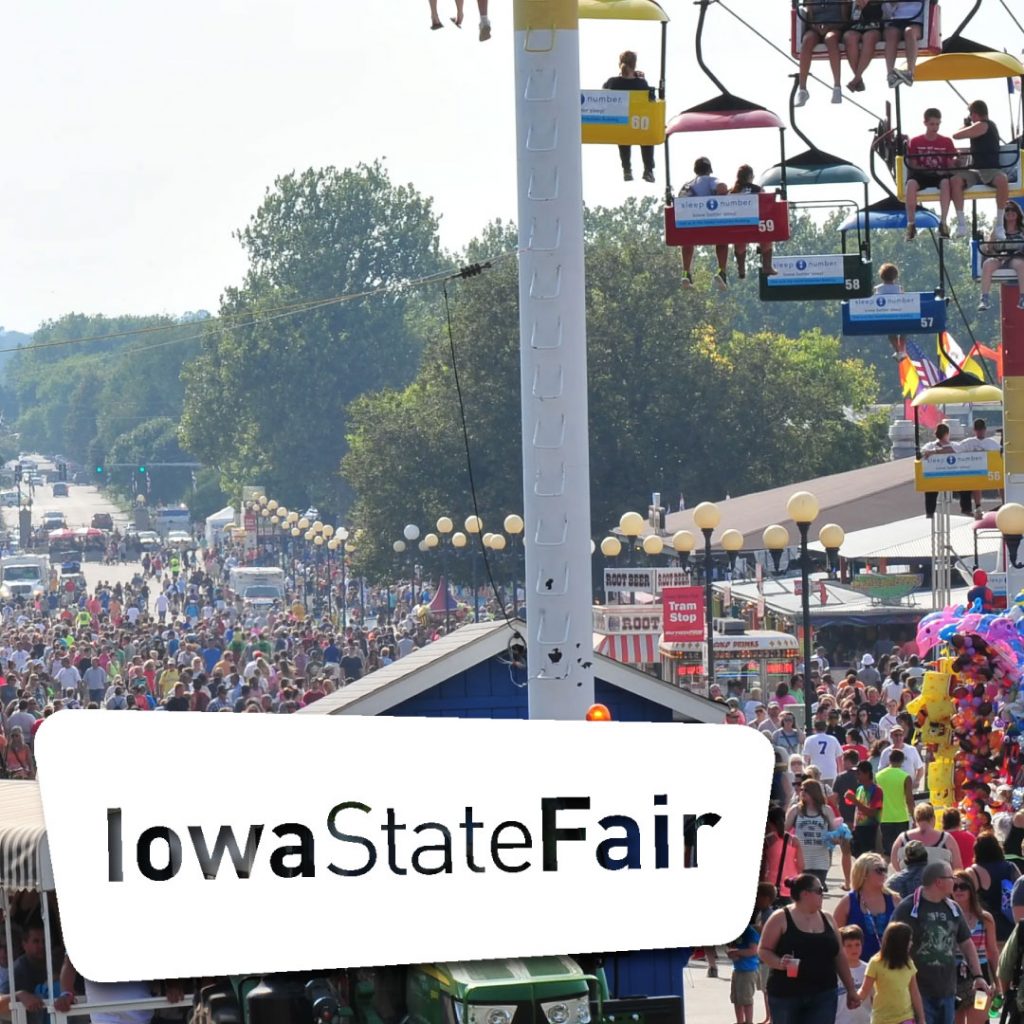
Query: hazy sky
(138, 137)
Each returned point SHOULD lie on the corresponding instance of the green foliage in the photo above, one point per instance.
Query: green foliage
(85, 382)
(267, 402)
(680, 400)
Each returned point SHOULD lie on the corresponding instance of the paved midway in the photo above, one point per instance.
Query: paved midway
(707, 999)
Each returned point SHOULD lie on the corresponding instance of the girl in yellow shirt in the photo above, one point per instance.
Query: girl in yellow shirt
(891, 975)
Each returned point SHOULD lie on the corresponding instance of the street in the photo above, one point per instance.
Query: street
(82, 503)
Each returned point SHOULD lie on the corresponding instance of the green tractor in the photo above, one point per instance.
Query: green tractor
(537, 990)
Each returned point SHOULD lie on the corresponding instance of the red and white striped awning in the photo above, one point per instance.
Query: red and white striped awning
(629, 648)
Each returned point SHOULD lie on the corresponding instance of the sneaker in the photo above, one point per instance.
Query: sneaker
(720, 282)
(837, 94)
(905, 77)
(983, 303)
(627, 174)
(802, 96)
(1000, 232)
(485, 29)
(978, 513)
(687, 280)
(944, 230)
(961, 228)
(649, 176)
(911, 232)
(713, 972)
(1020, 302)
(891, 79)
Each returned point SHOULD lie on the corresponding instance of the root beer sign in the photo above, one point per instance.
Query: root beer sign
(683, 609)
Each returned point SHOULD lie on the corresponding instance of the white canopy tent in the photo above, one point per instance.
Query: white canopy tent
(216, 524)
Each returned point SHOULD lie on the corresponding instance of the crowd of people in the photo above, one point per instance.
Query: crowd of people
(923, 925)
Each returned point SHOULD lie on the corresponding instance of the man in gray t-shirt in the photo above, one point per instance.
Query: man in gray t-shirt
(939, 931)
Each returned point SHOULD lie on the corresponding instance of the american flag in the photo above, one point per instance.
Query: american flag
(926, 370)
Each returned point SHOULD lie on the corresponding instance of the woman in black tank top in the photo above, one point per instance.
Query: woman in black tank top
(800, 945)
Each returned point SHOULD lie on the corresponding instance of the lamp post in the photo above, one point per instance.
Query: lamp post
(514, 528)
(473, 525)
(412, 535)
(802, 508)
(631, 524)
(444, 529)
(497, 544)
(706, 517)
(683, 543)
(399, 549)
(831, 537)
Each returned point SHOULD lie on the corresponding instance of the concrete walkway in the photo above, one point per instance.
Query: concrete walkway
(706, 1000)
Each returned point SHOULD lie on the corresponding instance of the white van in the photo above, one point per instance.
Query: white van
(172, 518)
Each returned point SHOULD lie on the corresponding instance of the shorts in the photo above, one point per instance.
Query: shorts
(926, 179)
(901, 23)
(981, 175)
(868, 24)
(743, 986)
(965, 983)
(823, 30)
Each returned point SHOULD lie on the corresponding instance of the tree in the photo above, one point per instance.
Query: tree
(266, 399)
(679, 399)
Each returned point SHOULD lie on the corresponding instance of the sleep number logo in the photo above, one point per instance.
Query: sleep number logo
(238, 843)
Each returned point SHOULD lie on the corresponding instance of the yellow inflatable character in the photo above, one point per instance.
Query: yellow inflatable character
(933, 711)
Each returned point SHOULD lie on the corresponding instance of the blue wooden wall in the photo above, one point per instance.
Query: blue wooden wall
(492, 690)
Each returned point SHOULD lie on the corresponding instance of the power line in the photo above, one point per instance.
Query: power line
(256, 318)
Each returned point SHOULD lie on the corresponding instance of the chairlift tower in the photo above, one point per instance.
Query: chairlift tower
(1012, 331)
(553, 361)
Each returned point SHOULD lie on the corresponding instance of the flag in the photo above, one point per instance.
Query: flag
(993, 354)
(909, 380)
(927, 372)
(956, 360)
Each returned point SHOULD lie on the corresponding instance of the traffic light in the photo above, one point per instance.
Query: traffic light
(99, 471)
(62, 472)
(598, 713)
(17, 473)
(142, 469)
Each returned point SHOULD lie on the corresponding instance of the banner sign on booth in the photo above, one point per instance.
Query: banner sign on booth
(683, 609)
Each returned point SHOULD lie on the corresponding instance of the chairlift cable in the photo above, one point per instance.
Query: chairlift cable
(963, 99)
(948, 283)
(790, 57)
(1013, 17)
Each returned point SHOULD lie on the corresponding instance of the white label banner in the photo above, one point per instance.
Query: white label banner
(959, 464)
(243, 843)
(716, 211)
(604, 106)
(806, 270)
(885, 307)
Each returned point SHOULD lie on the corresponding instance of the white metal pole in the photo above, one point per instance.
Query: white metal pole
(552, 326)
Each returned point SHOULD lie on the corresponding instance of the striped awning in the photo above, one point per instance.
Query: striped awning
(24, 852)
(629, 648)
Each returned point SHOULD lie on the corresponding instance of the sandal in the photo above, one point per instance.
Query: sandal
(435, 25)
